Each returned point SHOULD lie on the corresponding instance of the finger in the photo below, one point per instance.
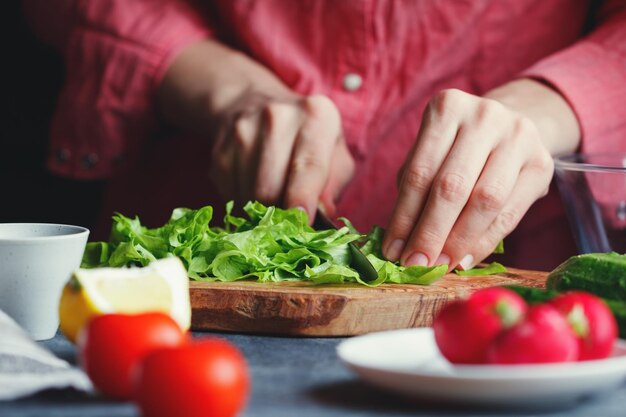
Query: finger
(341, 171)
(531, 185)
(223, 165)
(282, 123)
(437, 134)
(245, 136)
(449, 194)
(311, 159)
(490, 194)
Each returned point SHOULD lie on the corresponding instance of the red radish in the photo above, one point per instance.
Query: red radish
(592, 322)
(465, 329)
(544, 336)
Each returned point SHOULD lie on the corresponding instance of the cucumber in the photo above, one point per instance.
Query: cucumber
(602, 274)
(533, 295)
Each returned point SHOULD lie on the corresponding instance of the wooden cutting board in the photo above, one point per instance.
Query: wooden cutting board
(299, 309)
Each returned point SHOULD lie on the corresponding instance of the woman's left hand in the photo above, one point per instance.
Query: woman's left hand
(475, 169)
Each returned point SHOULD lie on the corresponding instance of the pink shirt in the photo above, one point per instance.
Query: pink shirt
(379, 60)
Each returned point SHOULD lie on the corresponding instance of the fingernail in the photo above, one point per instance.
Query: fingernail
(443, 259)
(467, 262)
(395, 249)
(417, 259)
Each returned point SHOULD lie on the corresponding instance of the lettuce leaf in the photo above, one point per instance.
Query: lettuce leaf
(269, 244)
(492, 268)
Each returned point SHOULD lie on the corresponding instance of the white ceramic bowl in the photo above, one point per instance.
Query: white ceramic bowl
(36, 260)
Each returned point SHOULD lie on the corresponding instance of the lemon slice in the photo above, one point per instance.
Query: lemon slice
(162, 286)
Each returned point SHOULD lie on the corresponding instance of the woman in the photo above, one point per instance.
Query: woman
(328, 103)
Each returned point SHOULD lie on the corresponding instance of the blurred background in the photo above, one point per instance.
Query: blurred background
(32, 74)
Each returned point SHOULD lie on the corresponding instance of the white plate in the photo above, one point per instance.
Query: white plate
(408, 362)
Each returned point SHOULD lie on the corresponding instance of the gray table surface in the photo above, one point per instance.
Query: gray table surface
(294, 377)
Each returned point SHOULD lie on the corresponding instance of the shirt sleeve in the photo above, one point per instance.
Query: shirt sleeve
(116, 53)
(591, 75)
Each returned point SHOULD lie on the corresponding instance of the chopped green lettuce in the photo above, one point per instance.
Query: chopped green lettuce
(492, 268)
(270, 244)
(499, 247)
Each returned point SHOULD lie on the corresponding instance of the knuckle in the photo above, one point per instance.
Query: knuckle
(451, 187)
(489, 197)
(307, 163)
(488, 110)
(544, 162)
(523, 126)
(402, 225)
(447, 99)
(505, 222)
(417, 178)
(450, 95)
(428, 238)
(541, 162)
(319, 106)
(459, 243)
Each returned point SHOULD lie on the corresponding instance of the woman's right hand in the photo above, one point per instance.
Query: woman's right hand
(269, 143)
(282, 151)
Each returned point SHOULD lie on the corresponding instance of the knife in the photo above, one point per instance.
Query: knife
(359, 261)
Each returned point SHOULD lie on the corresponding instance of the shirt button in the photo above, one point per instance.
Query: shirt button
(89, 160)
(352, 81)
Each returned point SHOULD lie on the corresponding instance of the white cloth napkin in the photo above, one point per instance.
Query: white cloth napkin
(27, 368)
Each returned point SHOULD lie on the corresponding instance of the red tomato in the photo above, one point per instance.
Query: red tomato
(543, 336)
(464, 329)
(112, 344)
(202, 379)
(592, 322)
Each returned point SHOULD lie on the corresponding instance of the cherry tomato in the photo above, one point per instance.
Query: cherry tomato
(592, 322)
(202, 379)
(111, 346)
(544, 336)
(464, 329)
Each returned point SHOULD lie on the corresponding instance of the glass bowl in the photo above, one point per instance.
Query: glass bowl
(593, 189)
